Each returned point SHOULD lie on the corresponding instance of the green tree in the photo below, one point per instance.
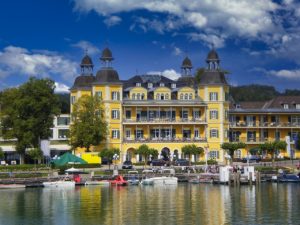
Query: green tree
(273, 148)
(28, 112)
(145, 151)
(192, 150)
(109, 153)
(1, 153)
(35, 154)
(232, 147)
(88, 125)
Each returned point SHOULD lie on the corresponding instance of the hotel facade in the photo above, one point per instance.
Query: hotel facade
(167, 114)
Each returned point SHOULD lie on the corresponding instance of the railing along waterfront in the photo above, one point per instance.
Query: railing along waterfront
(265, 124)
(155, 140)
(256, 140)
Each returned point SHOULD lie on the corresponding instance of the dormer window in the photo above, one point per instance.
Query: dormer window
(286, 106)
(150, 85)
(173, 85)
(161, 84)
(237, 106)
(297, 106)
(138, 84)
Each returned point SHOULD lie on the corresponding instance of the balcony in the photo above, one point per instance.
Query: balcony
(165, 120)
(164, 140)
(243, 124)
(257, 140)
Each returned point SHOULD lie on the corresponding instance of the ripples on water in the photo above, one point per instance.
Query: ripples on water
(142, 205)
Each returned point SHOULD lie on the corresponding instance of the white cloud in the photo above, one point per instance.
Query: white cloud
(112, 21)
(61, 88)
(20, 61)
(209, 39)
(286, 74)
(87, 46)
(169, 73)
(177, 51)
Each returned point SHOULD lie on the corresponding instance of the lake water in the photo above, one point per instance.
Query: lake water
(142, 205)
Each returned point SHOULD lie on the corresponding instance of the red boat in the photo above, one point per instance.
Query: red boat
(119, 181)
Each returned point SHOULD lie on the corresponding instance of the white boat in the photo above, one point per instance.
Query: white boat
(59, 183)
(160, 181)
(133, 177)
(98, 182)
(11, 186)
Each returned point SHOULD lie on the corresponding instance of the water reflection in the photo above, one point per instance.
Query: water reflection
(183, 204)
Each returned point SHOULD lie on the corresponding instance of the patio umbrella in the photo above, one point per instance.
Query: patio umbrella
(68, 158)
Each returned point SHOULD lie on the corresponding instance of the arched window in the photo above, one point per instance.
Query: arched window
(133, 96)
(181, 96)
(191, 96)
(162, 97)
(142, 96)
(138, 96)
(167, 96)
(186, 97)
(157, 96)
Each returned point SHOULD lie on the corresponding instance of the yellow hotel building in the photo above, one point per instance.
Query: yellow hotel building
(167, 114)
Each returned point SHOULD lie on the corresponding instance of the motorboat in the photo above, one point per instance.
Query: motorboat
(98, 182)
(119, 181)
(162, 180)
(132, 177)
(288, 178)
(12, 186)
(59, 183)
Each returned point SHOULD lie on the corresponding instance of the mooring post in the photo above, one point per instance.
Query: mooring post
(250, 178)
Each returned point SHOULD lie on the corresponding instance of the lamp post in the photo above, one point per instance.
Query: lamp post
(115, 158)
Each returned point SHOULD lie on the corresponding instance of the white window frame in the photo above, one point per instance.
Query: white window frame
(196, 133)
(73, 99)
(214, 154)
(150, 85)
(115, 114)
(297, 106)
(213, 96)
(213, 114)
(115, 134)
(99, 94)
(115, 95)
(161, 84)
(128, 133)
(196, 114)
(214, 133)
(173, 85)
(286, 106)
(138, 84)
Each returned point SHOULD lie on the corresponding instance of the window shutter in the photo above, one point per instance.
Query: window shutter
(217, 97)
(210, 114)
(118, 134)
(217, 115)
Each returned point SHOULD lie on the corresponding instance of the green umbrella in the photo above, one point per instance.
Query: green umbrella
(68, 158)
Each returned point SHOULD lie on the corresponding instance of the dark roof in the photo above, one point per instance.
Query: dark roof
(86, 61)
(249, 105)
(212, 56)
(186, 81)
(187, 63)
(106, 55)
(83, 81)
(107, 75)
(278, 102)
(145, 79)
(213, 77)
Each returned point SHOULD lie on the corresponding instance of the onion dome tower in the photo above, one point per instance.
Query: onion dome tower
(107, 74)
(186, 67)
(212, 60)
(86, 65)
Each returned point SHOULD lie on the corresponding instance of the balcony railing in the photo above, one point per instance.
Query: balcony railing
(264, 124)
(164, 120)
(155, 140)
(257, 140)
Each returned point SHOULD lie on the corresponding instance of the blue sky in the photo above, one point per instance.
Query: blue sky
(257, 41)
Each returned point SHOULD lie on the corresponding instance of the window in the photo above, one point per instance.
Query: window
(138, 96)
(138, 84)
(167, 96)
(226, 114)
(186, 96)
(186, 133)
(133, 96)
(196, 114)
(161, 84)
(115, 95)
(162, 97)
(213, 96)
(196, 133)
(73, 99)
(226, 133)
(128, 114)
(237, 106)
(190, 96)
(297, 106)
(181, 96)
(142, 96)
(237, 154)
(115, 134)
(150, 85)
(128, 134)
(63, 121)
(63, 133)
(115, 114)
(214, 133)
(184, 114)
(157, 96)
(139, 134)
(286, 106)
(277, 135)
(173, 85)
(213, 114)
(99, 94)
(213, 154)
(251, 136)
